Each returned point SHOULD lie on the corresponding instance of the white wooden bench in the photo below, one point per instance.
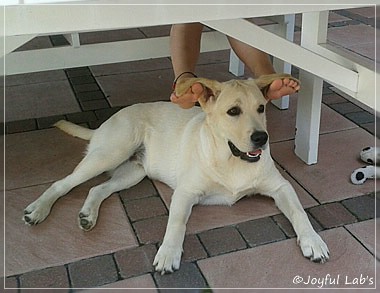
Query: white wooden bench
(316, 60)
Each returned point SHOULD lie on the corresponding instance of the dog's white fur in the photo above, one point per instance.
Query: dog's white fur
(189, 151)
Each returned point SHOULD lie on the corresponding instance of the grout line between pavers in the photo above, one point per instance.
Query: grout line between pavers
(316, 220)
(197, 235)
(295, 179)
(130, 220)
(154, 281)
(68, 275)
(360, 242)
(201, 273)
(279, 226)
(118, 271)
(371, 21)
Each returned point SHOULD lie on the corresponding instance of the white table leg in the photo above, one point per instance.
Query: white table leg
(236, 65)
(314, 32)
(285, 29)
(308, 117)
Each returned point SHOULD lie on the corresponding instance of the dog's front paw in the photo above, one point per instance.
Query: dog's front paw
(168, 259)
(314, 248)
(87, 221)
(35, 213)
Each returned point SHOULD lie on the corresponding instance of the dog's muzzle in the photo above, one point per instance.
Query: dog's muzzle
(259, 140)
(250, 157)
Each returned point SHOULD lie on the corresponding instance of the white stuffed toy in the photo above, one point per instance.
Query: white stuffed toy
(371, 156)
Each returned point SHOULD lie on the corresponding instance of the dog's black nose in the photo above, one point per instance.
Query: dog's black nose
(259, 138)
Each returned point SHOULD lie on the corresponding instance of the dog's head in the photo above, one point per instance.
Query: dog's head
(236, 112)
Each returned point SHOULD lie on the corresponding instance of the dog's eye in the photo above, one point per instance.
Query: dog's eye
(261, 109)
(234, 111)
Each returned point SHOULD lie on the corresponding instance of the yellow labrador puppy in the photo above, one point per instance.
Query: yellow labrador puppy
(214, 156)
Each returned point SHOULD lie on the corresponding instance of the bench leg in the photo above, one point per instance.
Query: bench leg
(236, 66)
(308, 117)
(285, 29)
(314, 32)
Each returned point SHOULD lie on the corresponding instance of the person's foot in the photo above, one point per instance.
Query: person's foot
(277, 89)
(282, 87)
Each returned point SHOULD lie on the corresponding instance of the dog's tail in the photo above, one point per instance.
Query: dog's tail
(74, 130)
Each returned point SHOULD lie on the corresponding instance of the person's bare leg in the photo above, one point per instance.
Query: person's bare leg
(258, 62)
(185, 40)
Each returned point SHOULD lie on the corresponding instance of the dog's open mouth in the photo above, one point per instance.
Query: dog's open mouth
(250, 157)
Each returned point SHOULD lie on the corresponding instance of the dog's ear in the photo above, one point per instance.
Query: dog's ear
(264, 81)
(211, 89)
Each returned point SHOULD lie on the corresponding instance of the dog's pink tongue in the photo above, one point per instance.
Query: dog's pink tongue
(255, 153)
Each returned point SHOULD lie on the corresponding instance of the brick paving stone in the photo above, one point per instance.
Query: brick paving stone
(144, 189)
(76, 68)
(345, 108)
(81, 117)
(332, 215)
(93, 272)
(193, 249)
(79, 72)
(222, 240)
(188, 276)
(326, 90)
(287, 227)
(47, 122)
(95, 124)
(361, 117)
(151, 230)
(371, 128)
(82, 79)
(366, 20)
(94, 105)
(367, 12)
(344, 23)
(333, 98)
(20, 126)
(363, 207)
(136, 261)
(317, 227)
(89, 96)
(81, 88)
(104, 114)
(261, 231)
(55, 277)
(145, 208)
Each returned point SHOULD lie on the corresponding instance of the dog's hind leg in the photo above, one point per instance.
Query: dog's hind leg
(93, 164)
(125, 176)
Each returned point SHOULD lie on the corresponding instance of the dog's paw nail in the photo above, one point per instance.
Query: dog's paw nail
(317, 260)
(26, 212)
(82, 215)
